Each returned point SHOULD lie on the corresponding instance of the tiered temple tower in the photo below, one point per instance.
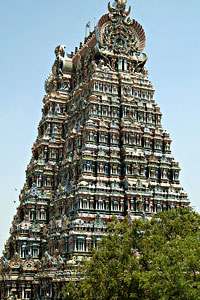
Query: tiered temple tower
(101, 151)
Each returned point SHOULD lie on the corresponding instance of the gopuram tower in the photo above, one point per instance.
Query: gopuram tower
(100, 152)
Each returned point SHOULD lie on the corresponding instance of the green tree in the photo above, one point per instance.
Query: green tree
(158, 259)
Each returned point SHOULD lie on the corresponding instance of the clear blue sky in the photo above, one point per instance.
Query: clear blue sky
(29, 32)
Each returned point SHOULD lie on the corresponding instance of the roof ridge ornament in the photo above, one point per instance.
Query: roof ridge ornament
(119, 8)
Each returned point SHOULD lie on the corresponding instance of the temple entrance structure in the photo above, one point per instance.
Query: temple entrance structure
(100, 151)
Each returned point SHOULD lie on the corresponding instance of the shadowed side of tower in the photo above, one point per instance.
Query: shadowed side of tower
(100, 151)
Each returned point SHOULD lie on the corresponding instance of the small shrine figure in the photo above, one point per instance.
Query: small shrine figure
(136, 169)
(94, 109)
(91, 136)
(152, 173)
(40, 181)
(114, 169)
(48, 131)
(56, 129)
(101, 168)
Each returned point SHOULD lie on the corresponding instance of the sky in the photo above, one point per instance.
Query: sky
(29, 32)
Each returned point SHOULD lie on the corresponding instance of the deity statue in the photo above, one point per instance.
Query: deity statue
(136, 169)
(152, 173)
(101, 168)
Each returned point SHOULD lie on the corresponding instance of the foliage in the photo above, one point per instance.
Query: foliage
(158, 259)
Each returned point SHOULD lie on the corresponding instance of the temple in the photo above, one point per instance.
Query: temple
(101, 151)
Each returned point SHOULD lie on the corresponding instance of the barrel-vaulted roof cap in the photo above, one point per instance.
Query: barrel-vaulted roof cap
(139, 31)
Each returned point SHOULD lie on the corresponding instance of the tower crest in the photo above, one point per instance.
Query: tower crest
(119, 35)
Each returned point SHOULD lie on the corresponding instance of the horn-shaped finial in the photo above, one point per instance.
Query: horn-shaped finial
(119, 7)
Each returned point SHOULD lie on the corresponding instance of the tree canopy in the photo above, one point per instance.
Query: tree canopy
(156, 259)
